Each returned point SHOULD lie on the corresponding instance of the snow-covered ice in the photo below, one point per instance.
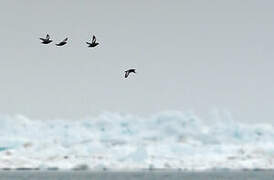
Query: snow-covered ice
(170, 139)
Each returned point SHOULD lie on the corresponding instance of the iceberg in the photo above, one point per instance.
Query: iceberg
(169, 140)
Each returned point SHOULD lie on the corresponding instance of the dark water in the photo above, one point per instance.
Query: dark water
(143, 175)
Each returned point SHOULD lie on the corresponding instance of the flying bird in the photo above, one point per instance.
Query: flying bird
(62, 43)
(127, 72)
(93, 43)
(46, 40)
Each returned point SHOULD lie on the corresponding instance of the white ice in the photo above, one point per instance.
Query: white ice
(169, 140)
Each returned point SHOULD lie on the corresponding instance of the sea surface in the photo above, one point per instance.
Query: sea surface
(136, 175)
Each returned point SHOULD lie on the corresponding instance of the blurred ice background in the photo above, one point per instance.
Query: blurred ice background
(170, 139)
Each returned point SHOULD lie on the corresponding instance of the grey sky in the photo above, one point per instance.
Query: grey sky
(193, 55)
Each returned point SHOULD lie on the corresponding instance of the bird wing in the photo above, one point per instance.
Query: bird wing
(88, 43)
(47, 37)
(93, 39)
(65, 40)
(126, 74)
(42, 39)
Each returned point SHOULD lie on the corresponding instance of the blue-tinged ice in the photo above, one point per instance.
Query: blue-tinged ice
(164, 140)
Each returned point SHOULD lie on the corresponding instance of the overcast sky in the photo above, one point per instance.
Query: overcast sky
(189, 55)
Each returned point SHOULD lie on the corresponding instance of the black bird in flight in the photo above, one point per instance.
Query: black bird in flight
(62, 43)
(127, 72)
(93, 43)
(46, 40)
